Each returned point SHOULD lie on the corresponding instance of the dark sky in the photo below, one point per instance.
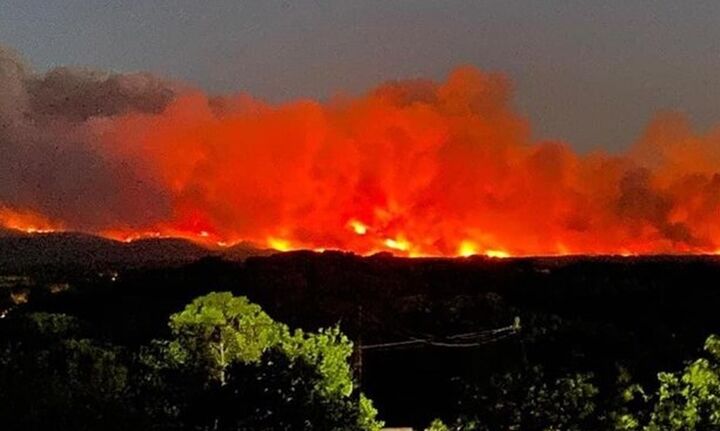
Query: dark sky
(592, 73)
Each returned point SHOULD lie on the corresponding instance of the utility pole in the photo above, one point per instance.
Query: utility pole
(359, 346)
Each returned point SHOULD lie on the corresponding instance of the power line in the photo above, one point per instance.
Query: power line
(465, 340)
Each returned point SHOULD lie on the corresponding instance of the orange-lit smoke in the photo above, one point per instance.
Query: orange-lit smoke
(27, 221)
(416, 168)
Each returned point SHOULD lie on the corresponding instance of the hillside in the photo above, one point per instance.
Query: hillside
(19, 251)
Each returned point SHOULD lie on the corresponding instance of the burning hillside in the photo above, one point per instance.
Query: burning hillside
(414, 167)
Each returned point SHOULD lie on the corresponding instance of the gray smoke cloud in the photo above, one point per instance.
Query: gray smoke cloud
(49, 161)
(638, 201)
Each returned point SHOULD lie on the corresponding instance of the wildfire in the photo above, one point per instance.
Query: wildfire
(467, 248)
(279, 244)
(397, 244)
(27, 221)
(497, 254)
(358, 227)
(414, 168)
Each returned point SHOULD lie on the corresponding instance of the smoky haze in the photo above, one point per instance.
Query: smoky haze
(50, 160)
(588, 73)
(417, 167)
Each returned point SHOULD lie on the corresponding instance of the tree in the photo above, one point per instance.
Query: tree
(688, 400)
(328, 351)
(281, 392)
(260, 375)
(437, 425)
(53, 378)
(228, 366)
(219, 328)
(530, 401)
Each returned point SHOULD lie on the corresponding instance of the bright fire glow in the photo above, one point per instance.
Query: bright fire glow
(27, 221)
(397, 244)
(415, 168)
(358, 227)
(467, 248)
(498, 254)
(279, 244)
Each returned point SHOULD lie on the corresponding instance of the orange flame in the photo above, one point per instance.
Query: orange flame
(27, 221)
(415, 168)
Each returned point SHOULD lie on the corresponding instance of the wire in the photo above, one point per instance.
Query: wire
(479, 338)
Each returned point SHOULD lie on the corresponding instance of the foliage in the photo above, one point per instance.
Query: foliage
(228, 366)
(50, 325)
(218, 329)
(687, 400)
(530, 401)
(328, 351)
(437, 425)
(629, 408)
(279, 392)
(262, 375)
(63, 383)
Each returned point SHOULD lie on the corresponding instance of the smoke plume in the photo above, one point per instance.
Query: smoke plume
(413, 167)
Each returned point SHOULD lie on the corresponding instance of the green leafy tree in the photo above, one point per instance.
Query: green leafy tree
(280, 392)
(328, 351)
(629, 408)
(228, 366)
(219, 328)
(259, 374)
(437, 425)
(687, 400)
